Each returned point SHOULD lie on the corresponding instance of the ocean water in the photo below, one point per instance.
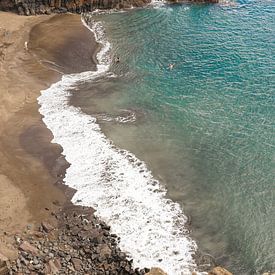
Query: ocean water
(202, 132)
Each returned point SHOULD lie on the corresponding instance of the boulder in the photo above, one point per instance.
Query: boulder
(219, 271)
(76, 263)
(20, 10)
(47, 227)
(104, 250)
(27, 247)
(53, 266)
(156, 271)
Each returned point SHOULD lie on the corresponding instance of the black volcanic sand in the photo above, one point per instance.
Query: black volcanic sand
(63, 45)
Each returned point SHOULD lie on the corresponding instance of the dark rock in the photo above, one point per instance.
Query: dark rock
(54, 266)
(27, 247)
(32, 7)
(104, 250)
(77, 263)
(80, 244)
(47, 227)
(20, 10)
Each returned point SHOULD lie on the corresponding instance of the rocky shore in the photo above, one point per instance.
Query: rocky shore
(34, 7)
(73, 242)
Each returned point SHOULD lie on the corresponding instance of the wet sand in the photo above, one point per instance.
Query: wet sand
(30, 166)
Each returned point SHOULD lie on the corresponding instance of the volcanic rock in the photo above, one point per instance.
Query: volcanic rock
(47, 227)
(27, 247)
(219, 271)
(76, 263)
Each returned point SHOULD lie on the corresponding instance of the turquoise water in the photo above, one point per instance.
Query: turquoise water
(206, 127)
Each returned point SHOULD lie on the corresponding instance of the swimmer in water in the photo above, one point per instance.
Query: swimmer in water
(117, 60)
(171, 66)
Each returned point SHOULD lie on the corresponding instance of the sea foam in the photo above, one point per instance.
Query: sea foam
(113, 181)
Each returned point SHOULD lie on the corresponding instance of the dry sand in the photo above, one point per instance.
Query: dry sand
(30, 165)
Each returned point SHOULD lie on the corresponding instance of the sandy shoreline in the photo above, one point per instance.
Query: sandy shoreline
(41, 232)
(32, 168)
(29, 164)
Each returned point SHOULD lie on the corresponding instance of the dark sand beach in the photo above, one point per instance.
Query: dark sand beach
(30, 165)
(41, 231)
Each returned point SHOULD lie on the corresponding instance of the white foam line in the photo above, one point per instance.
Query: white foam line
(114, 181)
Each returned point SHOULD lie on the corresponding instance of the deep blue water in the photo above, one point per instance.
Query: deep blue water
(206, 127)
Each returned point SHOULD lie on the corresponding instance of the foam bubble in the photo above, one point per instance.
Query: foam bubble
(114, 181)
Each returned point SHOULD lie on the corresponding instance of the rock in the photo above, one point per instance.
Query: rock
(219, 271)
(32, 7)
(38, 234)
(4, 270)
(20, 10)
(104, 250)
(32, 11)
(3, 265)
(54, 266)
(3, 259)
(27, 247)
(47, 227)
(81, 244)
(156, 271)
(77, 263)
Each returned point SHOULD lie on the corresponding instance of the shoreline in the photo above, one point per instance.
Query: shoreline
(30, 139)
(53, 102)
(31, 166)
(41, 230)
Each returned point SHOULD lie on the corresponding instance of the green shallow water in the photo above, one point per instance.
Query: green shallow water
(205, 128)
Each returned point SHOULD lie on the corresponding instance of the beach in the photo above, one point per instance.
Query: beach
(35, 202)
(40, 229)
(27, 157)
(133, 164)
(30, 165)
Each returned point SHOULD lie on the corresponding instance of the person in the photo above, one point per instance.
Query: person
(171, 66)
(117, 60)
(26, 45)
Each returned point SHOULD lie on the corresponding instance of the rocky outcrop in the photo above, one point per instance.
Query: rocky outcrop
(33, 7)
